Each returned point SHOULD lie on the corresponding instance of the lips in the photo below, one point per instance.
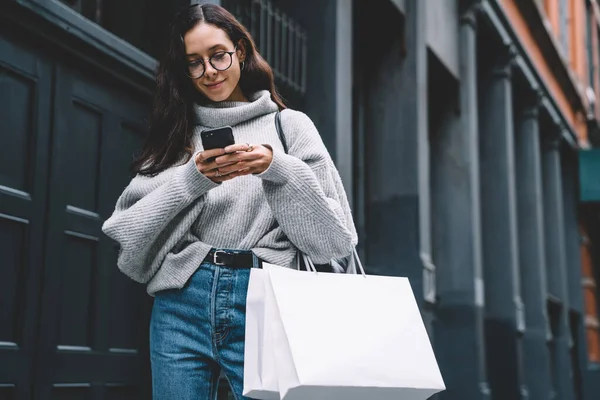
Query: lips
(215, 86)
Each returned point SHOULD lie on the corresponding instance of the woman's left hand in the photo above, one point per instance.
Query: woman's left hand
(247, 158)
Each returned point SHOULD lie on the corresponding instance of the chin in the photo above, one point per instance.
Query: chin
(217, 96)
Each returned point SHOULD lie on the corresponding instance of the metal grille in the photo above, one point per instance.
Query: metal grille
(280, 39)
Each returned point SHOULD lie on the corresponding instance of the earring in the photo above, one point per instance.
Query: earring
(242, 66)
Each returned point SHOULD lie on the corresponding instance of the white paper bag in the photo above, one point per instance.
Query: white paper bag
(338, 336)
(260, 379)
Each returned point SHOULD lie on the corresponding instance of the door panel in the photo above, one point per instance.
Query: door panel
(94, 319)
(25, 94)
(71, 325)
(18, 89)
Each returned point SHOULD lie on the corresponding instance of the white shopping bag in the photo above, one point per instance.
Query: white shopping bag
(344, 336)
(260, 371)
(260, 379)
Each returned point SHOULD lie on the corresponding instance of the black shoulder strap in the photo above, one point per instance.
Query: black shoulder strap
(279, 128)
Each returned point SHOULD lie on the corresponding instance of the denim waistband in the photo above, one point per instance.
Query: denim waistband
(256, 261)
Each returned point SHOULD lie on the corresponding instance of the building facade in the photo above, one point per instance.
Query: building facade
(465, 132)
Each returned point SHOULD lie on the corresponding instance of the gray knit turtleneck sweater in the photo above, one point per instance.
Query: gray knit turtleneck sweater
(166, 224)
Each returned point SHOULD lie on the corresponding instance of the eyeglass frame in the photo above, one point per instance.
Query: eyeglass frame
(203, 61)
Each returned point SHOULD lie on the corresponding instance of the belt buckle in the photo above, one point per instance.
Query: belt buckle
(216, 253)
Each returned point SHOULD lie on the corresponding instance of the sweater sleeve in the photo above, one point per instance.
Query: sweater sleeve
(306, 195)
(152, 215)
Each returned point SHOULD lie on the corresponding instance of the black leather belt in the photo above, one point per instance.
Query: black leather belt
(233, 259)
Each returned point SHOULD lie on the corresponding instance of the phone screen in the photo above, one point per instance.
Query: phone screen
(217, 138)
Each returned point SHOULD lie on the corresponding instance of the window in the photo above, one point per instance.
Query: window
(140, 22)
(279, 38)
(590, 290)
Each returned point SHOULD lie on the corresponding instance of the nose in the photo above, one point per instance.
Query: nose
(209, 70)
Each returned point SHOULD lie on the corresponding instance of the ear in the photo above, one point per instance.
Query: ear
(241, 50)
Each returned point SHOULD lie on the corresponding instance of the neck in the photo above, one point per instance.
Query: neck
(237, 95)
(221, 113)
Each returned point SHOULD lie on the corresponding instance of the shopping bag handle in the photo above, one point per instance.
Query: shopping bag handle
(310, 267)
(354, 260)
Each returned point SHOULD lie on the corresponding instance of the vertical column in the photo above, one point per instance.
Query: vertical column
(555, 258)
(396, 120)
(572, 237)
(499, 221)
(416, 27)
(579, 358)
(536, 362)
(343, 98)
(457, 245)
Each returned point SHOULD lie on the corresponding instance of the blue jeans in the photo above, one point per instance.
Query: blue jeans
(198, 331)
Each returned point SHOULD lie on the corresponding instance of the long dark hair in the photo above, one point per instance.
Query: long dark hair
(172, 118)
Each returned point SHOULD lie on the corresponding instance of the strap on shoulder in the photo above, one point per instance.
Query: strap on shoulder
(280, 133)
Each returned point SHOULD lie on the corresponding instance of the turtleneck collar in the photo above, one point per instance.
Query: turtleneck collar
(232, 113)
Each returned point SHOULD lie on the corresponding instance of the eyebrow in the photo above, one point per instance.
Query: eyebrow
(211, 49)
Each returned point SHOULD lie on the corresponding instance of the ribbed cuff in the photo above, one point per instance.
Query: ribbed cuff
(279, 169)
(195, 183)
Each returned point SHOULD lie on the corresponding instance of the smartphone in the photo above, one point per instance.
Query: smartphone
(217, 138)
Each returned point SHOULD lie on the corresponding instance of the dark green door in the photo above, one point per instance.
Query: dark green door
(71, 325)
(25, 97)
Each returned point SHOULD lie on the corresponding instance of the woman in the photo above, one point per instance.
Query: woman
(192, 223)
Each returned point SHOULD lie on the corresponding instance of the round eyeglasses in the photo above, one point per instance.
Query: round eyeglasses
(221, 61)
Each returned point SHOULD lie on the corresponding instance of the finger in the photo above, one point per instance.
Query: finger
(208, 166)
(208, 154)
(238, 173)
(256, 166)
(216, 175)
(253, 165)
(238, 147)
(228, 169)
(254, 162)
(226, 177)
(239, 156)
(211, 166)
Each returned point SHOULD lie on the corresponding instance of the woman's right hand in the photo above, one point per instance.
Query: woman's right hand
(206, 165)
